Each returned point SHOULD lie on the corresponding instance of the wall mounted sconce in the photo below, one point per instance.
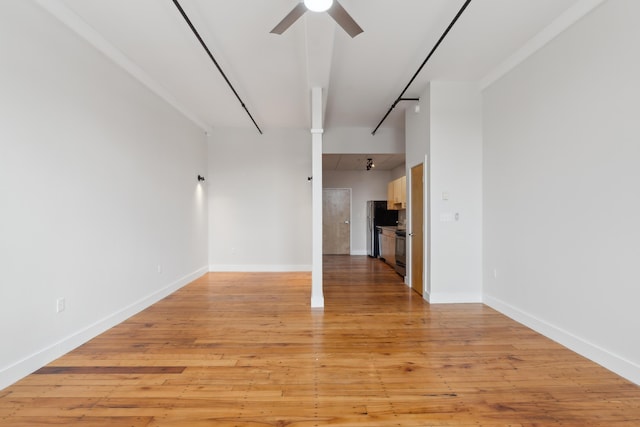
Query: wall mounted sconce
(200, 178)
(370, 164)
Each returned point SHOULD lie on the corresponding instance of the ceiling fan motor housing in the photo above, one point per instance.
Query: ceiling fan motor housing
(318, 5)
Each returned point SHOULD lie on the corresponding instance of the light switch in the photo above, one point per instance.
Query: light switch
(445, 195)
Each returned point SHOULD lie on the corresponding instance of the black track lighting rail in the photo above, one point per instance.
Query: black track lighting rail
(400, 98)
(204, 45)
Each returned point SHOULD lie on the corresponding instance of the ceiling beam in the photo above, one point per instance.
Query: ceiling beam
(320, 33)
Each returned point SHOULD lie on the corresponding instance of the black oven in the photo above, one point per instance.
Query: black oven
(401, 252)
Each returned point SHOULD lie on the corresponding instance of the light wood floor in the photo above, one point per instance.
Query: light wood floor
(246, 350)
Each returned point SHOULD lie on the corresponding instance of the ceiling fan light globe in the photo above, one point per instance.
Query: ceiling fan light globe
(318, 5)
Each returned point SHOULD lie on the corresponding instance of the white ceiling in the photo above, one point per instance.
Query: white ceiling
(273, 74)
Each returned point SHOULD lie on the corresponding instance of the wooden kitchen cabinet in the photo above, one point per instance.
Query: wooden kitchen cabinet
(388, 245)
(397, 194)
(391, 191)
(401, 192)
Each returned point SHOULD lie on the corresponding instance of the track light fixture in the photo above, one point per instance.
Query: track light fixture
(200, 178)
(370, 164)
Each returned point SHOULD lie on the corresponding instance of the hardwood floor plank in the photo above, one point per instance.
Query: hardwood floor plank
(109, 370)
(245, 349)
(47, 420)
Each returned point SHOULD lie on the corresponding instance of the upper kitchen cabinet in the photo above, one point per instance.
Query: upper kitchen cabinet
(397, 194)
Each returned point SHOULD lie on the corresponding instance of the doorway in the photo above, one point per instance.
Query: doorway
(417, 228)
(336, 221)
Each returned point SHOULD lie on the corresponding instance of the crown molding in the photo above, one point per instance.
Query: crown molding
(550, 32)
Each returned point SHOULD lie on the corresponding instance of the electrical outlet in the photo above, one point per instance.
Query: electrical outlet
(60, 305)
(495, 273)
(159, 268)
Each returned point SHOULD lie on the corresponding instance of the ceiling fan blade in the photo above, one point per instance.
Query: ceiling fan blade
(342, 17)
(288, 20)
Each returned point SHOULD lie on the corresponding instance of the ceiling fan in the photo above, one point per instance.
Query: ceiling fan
(332, 7)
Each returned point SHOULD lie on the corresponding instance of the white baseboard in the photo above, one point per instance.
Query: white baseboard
(359, 252)
(619, 365)
(35, 361)
(258, 268)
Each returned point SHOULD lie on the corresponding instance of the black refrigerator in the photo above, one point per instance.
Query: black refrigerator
(377, 214)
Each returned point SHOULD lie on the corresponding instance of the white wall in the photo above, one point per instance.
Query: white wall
(259, 200)
(365, 185)
(447, 132)
(98, 185)
(562, 189)
(417, 131)
(360, 140)
(417, 124)
(455, 168)
(397, 172)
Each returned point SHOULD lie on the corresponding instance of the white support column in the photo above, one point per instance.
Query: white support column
(317, 296)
